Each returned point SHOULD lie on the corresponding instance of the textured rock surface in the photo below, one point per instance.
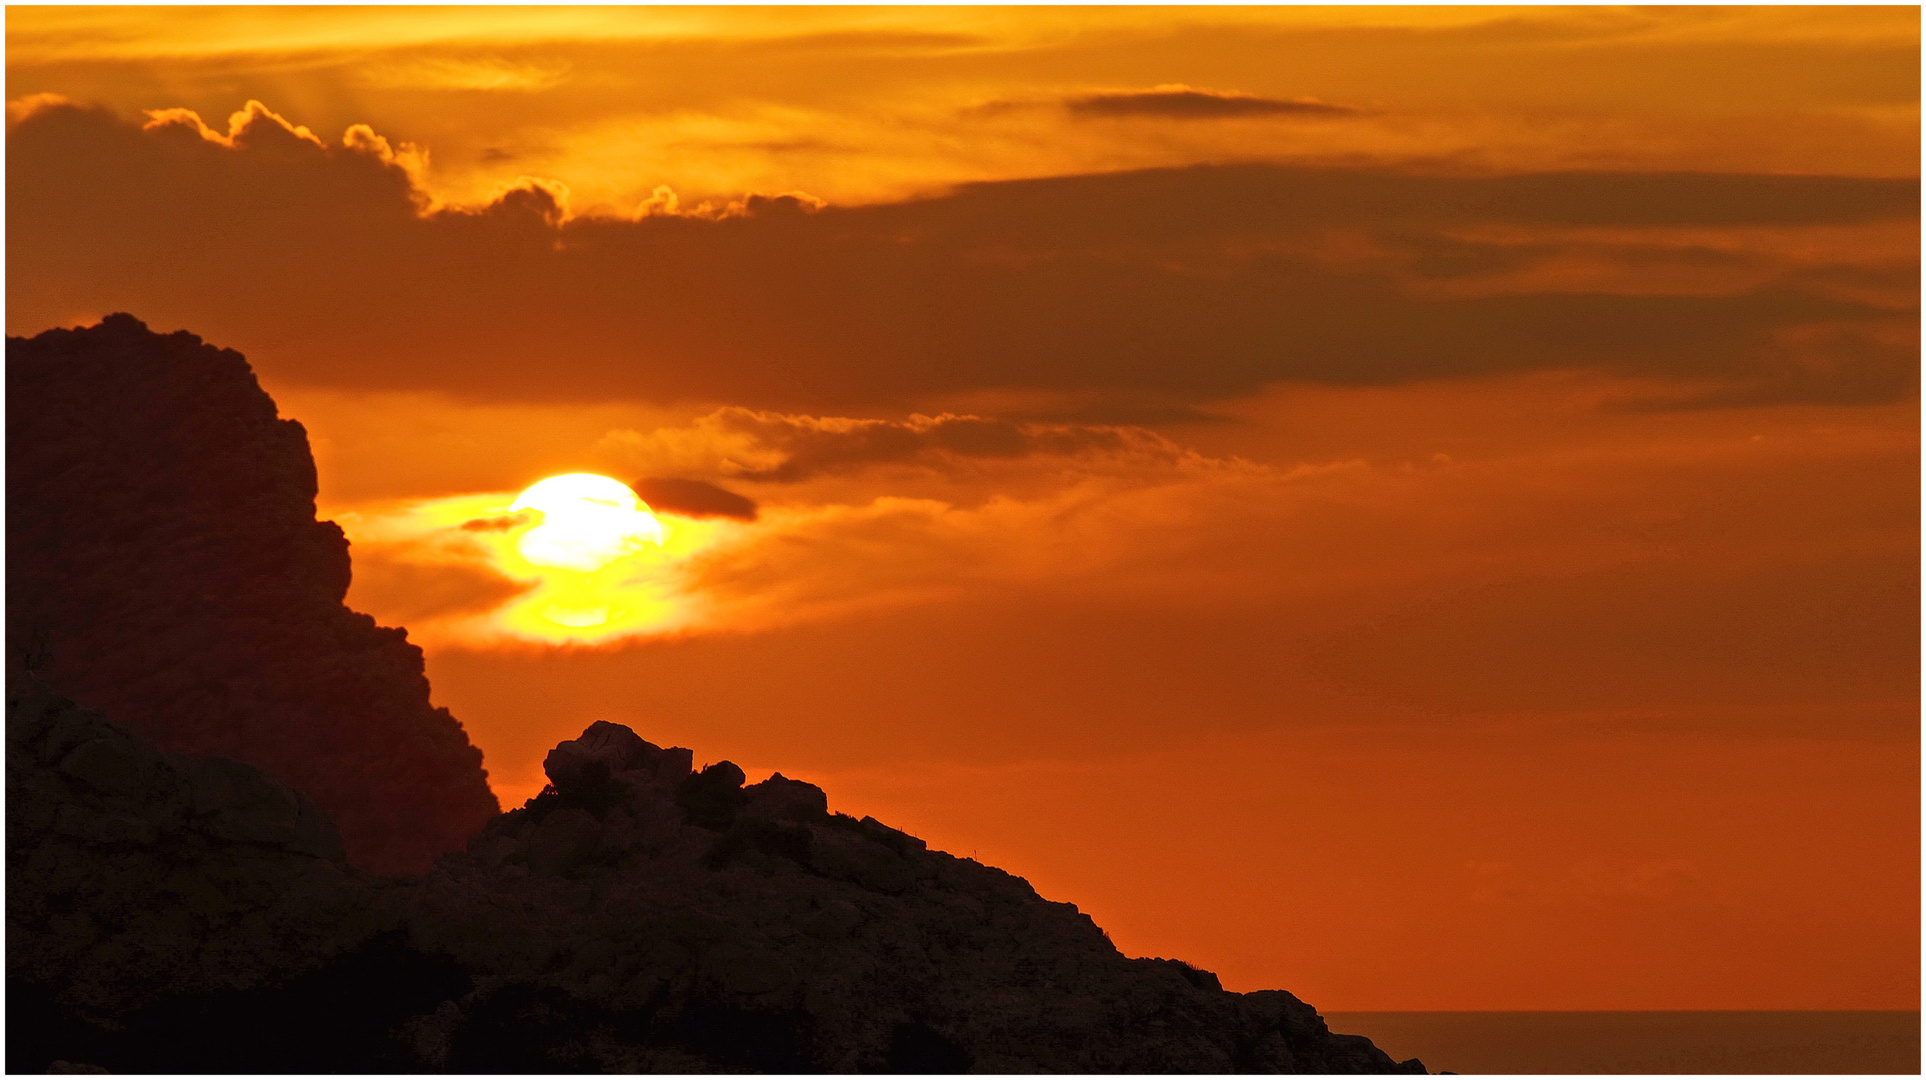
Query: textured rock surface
(135, 875)
(175, 914)
(164, 565)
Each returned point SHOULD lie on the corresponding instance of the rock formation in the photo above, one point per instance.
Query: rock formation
(639, 916)
(165, 565)
(173, 914)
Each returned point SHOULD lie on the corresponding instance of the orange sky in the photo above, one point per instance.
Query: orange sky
(1418, 507)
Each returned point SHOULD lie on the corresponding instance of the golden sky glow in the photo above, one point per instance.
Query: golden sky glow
(1238, 466)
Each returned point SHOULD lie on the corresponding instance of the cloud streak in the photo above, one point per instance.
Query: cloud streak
(806, 446)
(693, 498)
(1178, 102)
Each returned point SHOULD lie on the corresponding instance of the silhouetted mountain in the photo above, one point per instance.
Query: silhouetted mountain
(177, 913)
(164, 564)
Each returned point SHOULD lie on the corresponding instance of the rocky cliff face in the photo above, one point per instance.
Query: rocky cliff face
(164, 565)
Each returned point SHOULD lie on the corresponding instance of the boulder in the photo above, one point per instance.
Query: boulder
(782, 799)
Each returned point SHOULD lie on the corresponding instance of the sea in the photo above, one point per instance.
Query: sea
(1644, 1042)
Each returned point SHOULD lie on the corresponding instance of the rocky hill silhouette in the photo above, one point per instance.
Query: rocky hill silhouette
(169, 910)
(165, 565)
(167, 913)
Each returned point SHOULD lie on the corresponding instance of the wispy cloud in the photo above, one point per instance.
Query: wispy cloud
(1179, 102)
(784, 448)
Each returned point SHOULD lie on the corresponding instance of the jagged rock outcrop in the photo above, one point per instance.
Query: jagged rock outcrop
(641, 916)
(165, 565)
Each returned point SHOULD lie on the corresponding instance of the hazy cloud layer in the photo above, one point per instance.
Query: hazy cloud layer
(1168, 286)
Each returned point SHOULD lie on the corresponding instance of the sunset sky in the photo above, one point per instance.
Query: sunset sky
(1416, 507)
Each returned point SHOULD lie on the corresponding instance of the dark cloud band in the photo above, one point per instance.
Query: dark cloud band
(1163, 287)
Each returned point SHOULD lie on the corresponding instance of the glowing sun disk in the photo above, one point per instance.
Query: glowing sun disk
(587, 522)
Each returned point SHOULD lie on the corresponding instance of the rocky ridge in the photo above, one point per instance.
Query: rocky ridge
(178, 914)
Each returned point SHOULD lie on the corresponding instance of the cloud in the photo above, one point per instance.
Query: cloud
(241, 124)
(693, 498)
(497, 523)
(22, 108)
(751, 446)
(1178, 102)
(1161, 288)
(807, 446)
(1831, 365)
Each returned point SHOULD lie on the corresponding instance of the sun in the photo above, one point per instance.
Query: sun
(586, 522)
(583, 559)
